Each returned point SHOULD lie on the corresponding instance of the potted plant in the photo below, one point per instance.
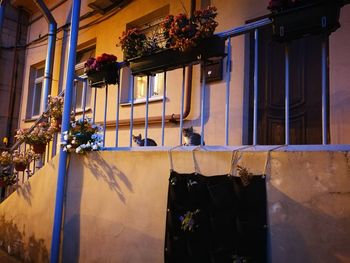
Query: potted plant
(187, 40)
(38, 137)
(102, 70)
(5, 158)
(21, 160)
(299, 18)
(83, 136)
(55, 109)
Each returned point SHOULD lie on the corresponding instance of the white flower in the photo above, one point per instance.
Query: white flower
(73, 124)
(64, 149)
(82, 146)
(78, 149)
(69, 146)
(73, 142)
(94, 136)
(65, 137)
(94, 147)
(63, 143)
(65, 132)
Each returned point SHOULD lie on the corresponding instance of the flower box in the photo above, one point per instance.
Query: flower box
(169, 59)
(309, 19)
(107, 75)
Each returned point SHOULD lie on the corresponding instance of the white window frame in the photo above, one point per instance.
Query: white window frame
(88, 89)
(37, 80)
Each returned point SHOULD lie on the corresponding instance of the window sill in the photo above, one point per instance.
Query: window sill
(79, 111)
(143, 101)
(33, 119)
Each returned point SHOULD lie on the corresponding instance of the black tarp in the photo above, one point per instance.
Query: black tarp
(226, 219)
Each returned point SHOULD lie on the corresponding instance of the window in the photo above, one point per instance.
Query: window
(35, 92)
(81, 58)
(150, 26)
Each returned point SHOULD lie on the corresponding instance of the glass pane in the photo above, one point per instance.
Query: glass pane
(140, 87)
(37, 98)
(39, 72)
(83, 55)
(79, 95)
(158, 83)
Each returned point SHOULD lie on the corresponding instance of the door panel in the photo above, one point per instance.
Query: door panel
(305, 90)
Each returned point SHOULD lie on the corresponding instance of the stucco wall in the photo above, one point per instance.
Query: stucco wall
(116, 203)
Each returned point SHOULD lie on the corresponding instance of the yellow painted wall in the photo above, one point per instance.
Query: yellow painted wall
(230, 14)
(116, 204)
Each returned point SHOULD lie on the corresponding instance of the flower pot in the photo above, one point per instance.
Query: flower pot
(20, 167)
(309, 19)
(109, 74)
(169, 59)
(39, 148)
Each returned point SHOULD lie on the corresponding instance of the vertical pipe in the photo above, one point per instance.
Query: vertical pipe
(84, 96)
(105, 117)
(117, 113)
(324, 92)
(2, 14)
(163, 108)
(131, 109)
(202, 103)
(182, 102)
(62, 166)
(228, 80)
(75, 96)
(94, 112)
(287, 94)
(256, 95)
(51, 43)
(146, 116)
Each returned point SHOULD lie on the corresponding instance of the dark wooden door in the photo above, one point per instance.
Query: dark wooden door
(305, 90)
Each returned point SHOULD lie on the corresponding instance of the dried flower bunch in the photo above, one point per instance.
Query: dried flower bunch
(24, 158)
(178, 32)
(280, 5)
(82, 136)
(133, 43)
(184, 33)
(41, 134)
(5, 158)
(56, 106)
(99, 63)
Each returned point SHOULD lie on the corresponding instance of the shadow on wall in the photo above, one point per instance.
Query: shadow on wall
(15, 242)
(301, 232)
(110, 174)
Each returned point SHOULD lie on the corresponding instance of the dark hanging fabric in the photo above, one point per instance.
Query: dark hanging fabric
(215, 219)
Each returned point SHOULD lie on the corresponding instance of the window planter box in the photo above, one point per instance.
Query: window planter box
(311, 19)
(169, 59)
(107, 75)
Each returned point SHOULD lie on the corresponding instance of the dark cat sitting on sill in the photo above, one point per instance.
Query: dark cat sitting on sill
(191, 138)
(141, 142)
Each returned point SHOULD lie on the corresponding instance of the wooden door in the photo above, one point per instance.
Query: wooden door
(305, 90)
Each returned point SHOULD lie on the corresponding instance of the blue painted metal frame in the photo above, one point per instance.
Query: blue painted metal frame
(62, 167)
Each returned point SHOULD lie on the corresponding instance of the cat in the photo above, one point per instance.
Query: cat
(141, 142)
(191, 137)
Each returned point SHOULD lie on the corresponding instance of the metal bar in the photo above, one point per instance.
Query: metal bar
(287, 94)
(256, 94)
(105, 117)
(62, 165)
(202, 104)
(146, 116)
(117, 113)
(245, 28)
(228, 80)
(131, 109)
(2, 14)
(94, 112)
(75, 92)
(163, 108)
(85, 84)
(51, 43)
(182, 102)
(324, 92)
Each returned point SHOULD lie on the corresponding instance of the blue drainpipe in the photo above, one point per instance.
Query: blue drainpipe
(2, 14)
(50, 51)
(62, 165)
